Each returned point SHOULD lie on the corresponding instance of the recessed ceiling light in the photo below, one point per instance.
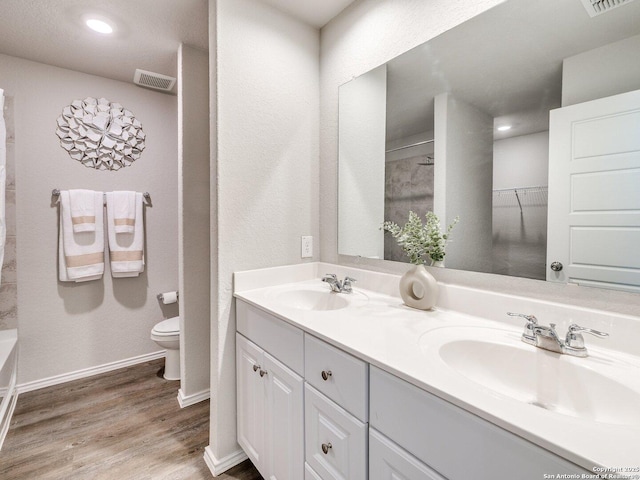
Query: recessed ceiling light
(504, 128)
(99, 26)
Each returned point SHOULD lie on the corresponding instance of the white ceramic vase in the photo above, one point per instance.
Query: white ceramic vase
(418, 288)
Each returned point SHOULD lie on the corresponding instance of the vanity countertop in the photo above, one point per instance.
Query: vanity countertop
(388, 334)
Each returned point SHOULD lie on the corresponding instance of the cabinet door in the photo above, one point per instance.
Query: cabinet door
(250, 391)
(387, 461)
(336, 441)
(284, 431)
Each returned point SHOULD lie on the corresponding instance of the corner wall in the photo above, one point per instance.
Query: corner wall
(194, 223)
(266, 153)
(67, 327)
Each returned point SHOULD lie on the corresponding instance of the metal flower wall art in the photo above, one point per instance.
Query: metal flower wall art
(100, 134)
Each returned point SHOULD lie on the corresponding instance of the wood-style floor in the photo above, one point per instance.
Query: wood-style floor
(124, 425)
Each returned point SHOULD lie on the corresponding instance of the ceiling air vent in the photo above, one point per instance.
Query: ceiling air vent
(598, 7)
(153, 80)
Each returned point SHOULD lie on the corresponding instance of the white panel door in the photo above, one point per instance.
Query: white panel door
(251, 400)
(284, 422)
(594, 193)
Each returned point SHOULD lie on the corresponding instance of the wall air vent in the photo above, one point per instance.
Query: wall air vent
(598, 7)
(153, 80)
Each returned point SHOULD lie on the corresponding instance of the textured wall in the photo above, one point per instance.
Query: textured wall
(267, 168)
(66, 327)
(194, 224)
(365, 35)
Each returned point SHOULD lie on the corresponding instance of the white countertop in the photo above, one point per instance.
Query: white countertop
(387, 334)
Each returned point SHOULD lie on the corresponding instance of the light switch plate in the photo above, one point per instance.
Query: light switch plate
(307, 246)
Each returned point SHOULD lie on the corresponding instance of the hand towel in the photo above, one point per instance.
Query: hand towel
(83, 210)
(126, 250)
(122, 205)
(80, 255)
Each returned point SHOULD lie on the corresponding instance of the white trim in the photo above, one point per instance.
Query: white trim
(88, 372)
(188, 400)
(6, 420)
(220, 466)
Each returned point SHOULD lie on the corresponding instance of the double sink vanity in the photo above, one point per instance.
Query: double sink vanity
(357, 385)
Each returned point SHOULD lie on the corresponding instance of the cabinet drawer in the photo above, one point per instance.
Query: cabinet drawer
(285, 342)
(340, 376)
(336, 442)
(387, 461)
(451, 440)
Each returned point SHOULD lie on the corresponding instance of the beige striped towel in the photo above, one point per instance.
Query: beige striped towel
(126, 250)
(80, 254)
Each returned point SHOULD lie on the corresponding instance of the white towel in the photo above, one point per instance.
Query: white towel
(122, 205)
(80, 255)
(83, 210)
(126, 250)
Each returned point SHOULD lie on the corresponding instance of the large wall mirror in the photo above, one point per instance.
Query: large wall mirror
(461, 126)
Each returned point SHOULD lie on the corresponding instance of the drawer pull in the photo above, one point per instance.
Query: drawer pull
(263, 373)
(325, 376)
(256, 368)
(326, 447)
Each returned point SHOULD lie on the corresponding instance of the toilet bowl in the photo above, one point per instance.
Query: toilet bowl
(167, 334)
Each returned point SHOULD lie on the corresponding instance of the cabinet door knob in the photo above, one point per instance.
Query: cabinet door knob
(263, 373)
(256, 368)
(325, 376)
(326, 447)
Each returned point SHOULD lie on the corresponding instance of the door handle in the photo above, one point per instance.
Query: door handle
(556, 266)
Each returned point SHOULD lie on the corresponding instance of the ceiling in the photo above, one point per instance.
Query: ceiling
(314, 12)
(148, 32)
(507, 62)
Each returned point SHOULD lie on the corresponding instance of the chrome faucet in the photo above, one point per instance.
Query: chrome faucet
(548, 339)
(346, 286)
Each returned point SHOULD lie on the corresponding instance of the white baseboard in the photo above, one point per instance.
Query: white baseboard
(88, 372)
(187, 400)
(6, 420)
(220, 466)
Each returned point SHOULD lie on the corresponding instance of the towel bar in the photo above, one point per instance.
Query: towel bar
(147, 196)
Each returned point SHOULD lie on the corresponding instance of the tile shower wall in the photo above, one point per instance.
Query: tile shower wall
(408, 186)
(8, 288)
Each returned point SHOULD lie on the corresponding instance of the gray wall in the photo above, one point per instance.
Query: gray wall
(194, 223)
(67, 327)
(601, 72)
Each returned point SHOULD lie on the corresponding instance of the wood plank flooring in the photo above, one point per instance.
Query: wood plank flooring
(122, 425)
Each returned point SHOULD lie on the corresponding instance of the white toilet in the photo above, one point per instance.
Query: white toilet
(167, 334)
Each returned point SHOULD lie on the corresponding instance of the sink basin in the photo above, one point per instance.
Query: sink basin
(316, 298)
(593, 388)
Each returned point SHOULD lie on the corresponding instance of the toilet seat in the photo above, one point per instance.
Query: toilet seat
(167, 328)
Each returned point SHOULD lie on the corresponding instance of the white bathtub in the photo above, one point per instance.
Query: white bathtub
(8, 364)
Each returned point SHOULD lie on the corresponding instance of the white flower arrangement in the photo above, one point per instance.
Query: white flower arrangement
(420, 241)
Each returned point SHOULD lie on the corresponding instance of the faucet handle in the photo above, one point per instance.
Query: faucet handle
(529, 318)
(577, 328)
(329, 276)
(574, 337)
(347, 284)
(529, 334)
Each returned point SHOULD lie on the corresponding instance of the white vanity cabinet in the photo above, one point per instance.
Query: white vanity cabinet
(452, 441)
(387, 461)
(336, 412)
(270, 394)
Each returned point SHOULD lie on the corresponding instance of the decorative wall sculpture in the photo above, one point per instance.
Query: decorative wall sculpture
(100, 134)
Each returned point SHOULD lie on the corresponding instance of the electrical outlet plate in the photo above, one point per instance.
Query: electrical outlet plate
(307, 246)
